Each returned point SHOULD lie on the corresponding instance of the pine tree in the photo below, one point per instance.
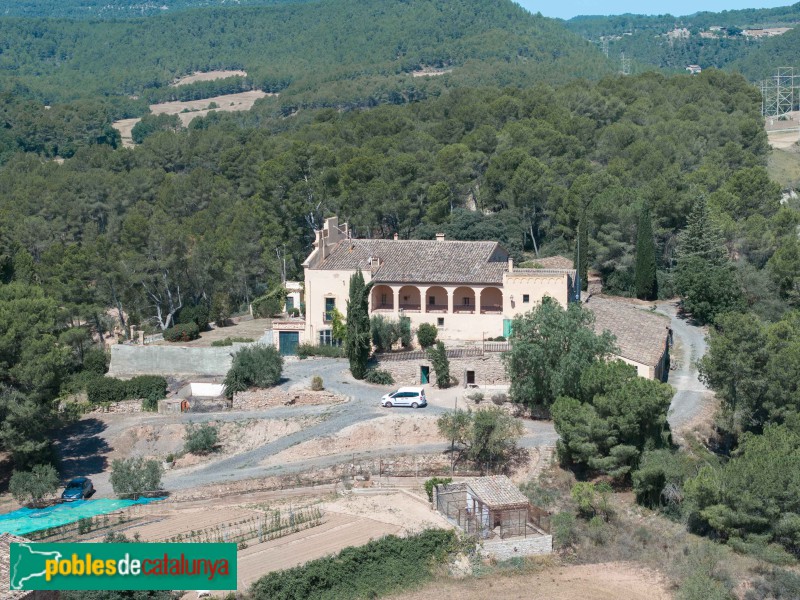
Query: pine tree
(357, 344)
(701, 238)
(581, 249)
(646, 280)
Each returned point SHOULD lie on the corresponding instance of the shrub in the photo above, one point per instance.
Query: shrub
(220, 310)
(230, 341)
(434, 481)
(405, 332)
(476, 397)
(563, 528)
(34, 485)
(384, 332)
(197, 314)
(374, 570)
(200, 439)
(108, 389)
(132, 477)
(95, 361)
(316, 384)
(182, 332)
(271, 303)
(379, 377)
(499, 399)
(306, 350)
(426, 335)
(441, 364)
(254, 366)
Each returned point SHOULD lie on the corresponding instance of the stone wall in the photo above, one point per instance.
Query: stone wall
(489, 369)
(518, 546)
(129, 361)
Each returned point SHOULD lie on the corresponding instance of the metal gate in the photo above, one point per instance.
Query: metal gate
(288, 341)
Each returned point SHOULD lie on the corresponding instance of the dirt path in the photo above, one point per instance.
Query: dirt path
(691, 397)
(608, 581)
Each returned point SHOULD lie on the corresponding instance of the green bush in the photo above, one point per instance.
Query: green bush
(379, 377)
(34, 485)
(270, 304)
(95, 361)
(441, 365)
(307, 350)
(426, 335)
(182, 332)
(200, 439)
(476, 397)
(108, 389)
(434, 481)
(132, 477)
(316, 384)
(385, 333)
(405, 332)
(563, 527)
(376, 569)
(230, 341)
(254, 366)
(197, 314)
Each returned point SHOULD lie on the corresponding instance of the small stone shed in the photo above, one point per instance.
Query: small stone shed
(490, 507)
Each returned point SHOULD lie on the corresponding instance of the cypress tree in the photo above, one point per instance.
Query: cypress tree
(357, 345)
(645, 277)
(582, 247)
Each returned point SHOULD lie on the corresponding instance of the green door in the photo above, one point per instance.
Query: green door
(506, 328)
(289, 303)
(288, 341)
(424, 374)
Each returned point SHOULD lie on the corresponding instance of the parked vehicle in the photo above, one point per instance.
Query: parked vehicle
(405, 396)
(79, 488)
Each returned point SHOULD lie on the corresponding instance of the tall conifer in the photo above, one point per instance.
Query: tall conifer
(581, 249)
(645, 277)
(358, 341)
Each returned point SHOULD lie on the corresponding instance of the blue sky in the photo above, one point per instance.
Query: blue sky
(569, 8)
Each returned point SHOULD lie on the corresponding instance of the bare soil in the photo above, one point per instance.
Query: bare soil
(430, 72)
(249, 328)
(195, 108)
(206, 76)
(383, 432)
(608, 581)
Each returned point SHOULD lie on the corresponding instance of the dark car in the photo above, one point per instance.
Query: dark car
(78, 489)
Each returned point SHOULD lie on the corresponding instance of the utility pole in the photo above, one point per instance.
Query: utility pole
(626, 65)
(604, 45)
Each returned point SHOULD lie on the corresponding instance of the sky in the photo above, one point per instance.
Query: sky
(566, 9)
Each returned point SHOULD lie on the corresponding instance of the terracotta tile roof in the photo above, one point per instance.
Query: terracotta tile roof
(641, 334)
(554, 262)
(497, 492)
(543, 272)
(422, 261)
(6, 539)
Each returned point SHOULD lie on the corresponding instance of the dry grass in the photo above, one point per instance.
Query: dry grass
(784, 167)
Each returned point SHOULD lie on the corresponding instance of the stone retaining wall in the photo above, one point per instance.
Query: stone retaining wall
(122, 407)
(129, 361)
(489, 369)
(518, 546)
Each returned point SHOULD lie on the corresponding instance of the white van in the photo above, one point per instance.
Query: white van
(405, 396)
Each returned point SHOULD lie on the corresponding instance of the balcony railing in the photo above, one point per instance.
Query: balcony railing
(383, 306)
(410, 307)
(436, 308)
(464, 309)
(490, 310)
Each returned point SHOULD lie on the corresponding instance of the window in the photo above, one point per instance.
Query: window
(325, 337)
(526, 298)
(383, 300)
(431, 300)
(466, 301)
(440, 322)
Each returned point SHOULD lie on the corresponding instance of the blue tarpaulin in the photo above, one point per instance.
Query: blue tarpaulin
(25, 520)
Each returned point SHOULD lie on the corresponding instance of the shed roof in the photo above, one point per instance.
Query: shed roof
(6, 539)
(424, 261)
(497, 492)
(641, 334)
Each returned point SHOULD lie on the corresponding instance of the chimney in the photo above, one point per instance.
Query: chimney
(396, 237)
(510, 264)
(439, 237)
